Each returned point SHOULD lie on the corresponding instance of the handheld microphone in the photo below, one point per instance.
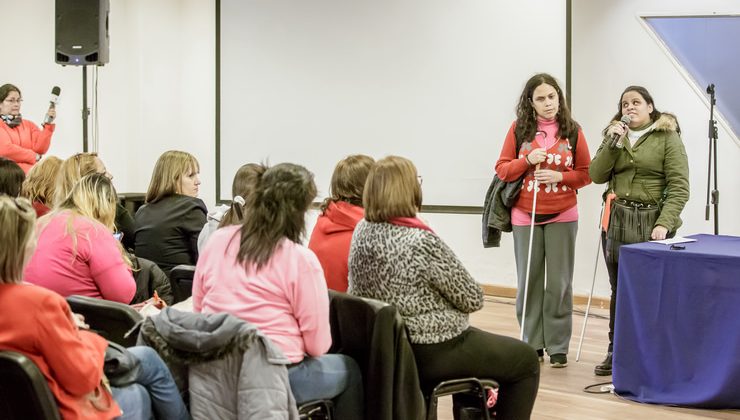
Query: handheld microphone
(53, 101)
(616, 137)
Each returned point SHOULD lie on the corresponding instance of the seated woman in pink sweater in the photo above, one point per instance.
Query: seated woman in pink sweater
(261, 273)
(77, 253)
(340, 213)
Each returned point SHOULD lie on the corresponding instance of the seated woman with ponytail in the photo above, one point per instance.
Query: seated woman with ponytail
(77, 253)
(245, 181)
(260, 272)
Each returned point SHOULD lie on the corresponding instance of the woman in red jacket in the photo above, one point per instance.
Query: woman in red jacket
(547, 147)
(21, 140)
(340, 213)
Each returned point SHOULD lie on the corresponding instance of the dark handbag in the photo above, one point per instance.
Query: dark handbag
(121, 367)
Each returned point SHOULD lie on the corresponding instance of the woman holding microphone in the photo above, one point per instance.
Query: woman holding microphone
(21, 140)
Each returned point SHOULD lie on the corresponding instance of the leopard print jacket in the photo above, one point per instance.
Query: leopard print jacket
(418, 273)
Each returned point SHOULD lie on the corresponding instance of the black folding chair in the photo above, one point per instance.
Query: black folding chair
(113, 320)
(181, 280)
(24, 393)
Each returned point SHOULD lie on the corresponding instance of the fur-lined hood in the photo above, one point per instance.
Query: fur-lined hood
(666, 122)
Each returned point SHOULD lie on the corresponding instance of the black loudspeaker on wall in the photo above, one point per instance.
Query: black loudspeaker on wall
(82, 32)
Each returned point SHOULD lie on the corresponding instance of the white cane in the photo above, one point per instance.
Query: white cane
(591, 294)
(529, 254)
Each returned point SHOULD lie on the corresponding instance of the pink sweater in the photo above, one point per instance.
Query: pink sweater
(286, 299)
(87, 262)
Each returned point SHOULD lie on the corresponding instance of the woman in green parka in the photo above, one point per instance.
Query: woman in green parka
(643, 160)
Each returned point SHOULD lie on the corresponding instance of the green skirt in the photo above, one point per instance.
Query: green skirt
(629, 223)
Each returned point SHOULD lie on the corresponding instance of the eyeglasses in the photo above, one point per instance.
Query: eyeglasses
(13, 101)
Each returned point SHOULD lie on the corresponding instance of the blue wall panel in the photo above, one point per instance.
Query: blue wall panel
(707, 47)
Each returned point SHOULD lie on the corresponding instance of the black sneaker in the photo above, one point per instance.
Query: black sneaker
(559, 360)
(541, 355)
(605, 368)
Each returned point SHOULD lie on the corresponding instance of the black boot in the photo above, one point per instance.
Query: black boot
(605, 368)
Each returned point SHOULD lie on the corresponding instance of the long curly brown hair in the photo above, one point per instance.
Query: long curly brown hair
(526, 117)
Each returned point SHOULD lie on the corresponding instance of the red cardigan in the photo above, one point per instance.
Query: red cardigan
(330, 241)
(38, 323)
(551, 198)
(22, 143)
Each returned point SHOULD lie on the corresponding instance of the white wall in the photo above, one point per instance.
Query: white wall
(158, 94)
(435, 81)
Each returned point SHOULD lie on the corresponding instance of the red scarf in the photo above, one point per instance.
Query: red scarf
(412, 222)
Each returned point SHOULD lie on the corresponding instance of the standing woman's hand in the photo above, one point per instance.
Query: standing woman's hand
(547, 176)
(536, 156)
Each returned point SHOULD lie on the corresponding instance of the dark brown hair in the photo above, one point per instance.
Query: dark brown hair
(526, 117)
(11, 177)
(276, 210)
(648, 100)
(6, 89)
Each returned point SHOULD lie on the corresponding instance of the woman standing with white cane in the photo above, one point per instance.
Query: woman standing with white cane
(547, 147)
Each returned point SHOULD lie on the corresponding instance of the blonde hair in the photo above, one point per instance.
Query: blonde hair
(93, 197)
(72, 170)
(168, 173)
(40, 183)
(17, 218)
(392, 190)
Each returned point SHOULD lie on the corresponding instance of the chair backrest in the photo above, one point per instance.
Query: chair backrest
(24, 393)
(181, 280)
(112, 320)
(374, 334)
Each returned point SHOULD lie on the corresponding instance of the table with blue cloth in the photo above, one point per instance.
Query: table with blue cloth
(677, 326)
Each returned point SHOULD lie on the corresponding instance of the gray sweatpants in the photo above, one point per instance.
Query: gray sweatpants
(549, 323)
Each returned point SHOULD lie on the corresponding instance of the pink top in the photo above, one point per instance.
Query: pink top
(286, 299)
(87, 262)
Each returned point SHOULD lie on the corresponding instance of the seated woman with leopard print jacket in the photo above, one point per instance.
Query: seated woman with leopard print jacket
(396, 258)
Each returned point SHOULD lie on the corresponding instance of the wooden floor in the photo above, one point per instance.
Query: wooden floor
(561, 394)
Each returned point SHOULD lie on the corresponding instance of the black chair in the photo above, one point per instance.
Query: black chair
(24, 393)
(374, 334)
(112, 320)
(316, 410)
(471, 386)
(131, 201)
(181, 280)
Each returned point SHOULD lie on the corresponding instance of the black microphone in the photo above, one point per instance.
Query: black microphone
(615, 137)
(52, 103)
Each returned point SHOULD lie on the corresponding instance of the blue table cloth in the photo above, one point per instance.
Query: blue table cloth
(677, 326)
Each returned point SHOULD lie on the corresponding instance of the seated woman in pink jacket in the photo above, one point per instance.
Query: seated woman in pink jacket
(21, 140)
(260, 272)
(340, 213)
(77, 253)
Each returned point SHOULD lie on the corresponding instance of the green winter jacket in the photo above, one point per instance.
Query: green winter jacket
(655, 170)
